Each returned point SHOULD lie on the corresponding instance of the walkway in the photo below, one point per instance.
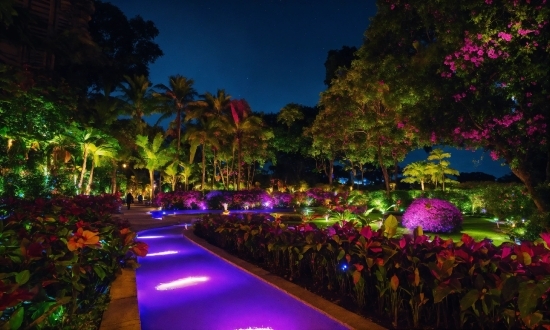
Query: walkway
(213, 293)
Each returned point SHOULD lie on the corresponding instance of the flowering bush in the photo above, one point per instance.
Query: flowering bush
(281, 199)
(179, 200)
(433, 215)
(372, 268)
(59, 258)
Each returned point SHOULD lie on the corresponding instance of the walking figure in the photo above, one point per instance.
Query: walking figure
(129, 199)
(140, 199)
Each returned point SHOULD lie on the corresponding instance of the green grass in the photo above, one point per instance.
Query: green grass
(477, 227)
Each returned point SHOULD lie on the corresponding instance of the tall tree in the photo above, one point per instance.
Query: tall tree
(153, 156)
(244, 124)
(441, 166)
(470, 73)
(175, 98)
(137, 95)
(100, 152)
(127, 46)
(416, 172)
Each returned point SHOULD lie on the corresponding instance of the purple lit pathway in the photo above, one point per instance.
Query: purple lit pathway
(212, 294)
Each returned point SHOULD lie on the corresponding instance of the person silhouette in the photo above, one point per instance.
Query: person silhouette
(140, 199)
(129, 199)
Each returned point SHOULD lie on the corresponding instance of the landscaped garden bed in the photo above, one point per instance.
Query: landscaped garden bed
(58, 259)
(413, 281)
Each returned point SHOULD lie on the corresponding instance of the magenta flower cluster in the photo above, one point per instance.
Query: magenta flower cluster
(433, 215)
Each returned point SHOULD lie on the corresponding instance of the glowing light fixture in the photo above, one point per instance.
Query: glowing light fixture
(163, 253)
(145, 237)
(181, 283)
(254, 328)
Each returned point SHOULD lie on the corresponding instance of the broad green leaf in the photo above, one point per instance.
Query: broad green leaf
(529, 294)
(23, 277)
(469, 299)
(99, 271)
(510, 288)
(16, 319)
(532, 320)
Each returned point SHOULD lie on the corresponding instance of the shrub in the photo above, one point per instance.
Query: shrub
(433, 215)
(59, 258)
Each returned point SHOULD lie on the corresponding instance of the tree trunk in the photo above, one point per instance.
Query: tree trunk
(89, 187)
(152, 180)
(81, 180)
(547, 181)
(384, 171)
(330, 171)
(113, 177)
(214, 165)
(239, 164)
(178, 123)
(232, 168)
(527, 180)
(203, 167)
(422, 184)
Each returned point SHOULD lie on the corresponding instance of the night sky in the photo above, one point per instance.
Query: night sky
(269, 52)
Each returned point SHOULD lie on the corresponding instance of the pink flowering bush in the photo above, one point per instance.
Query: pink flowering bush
(433, 215)
(281, 199)
(179, 200)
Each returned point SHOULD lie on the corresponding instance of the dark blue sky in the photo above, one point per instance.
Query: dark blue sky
(269, 52)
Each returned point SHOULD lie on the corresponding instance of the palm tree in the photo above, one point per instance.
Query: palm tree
(152, 156)
(176, 97)
(441, 167)
(217, 104)
(243, 124)
(203, 134)
(136, 94)
(416, 172)
(104, 149)
(84, 138)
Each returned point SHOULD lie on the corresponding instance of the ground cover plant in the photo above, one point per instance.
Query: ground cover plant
(58, 259)
(415, 281)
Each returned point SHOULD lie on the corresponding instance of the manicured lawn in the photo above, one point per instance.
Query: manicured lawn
(477, 227)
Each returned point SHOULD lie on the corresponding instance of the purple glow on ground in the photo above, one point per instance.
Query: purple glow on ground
(163, 253)
(230, 298)
(181, 283)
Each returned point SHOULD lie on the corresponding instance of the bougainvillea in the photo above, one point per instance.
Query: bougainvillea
(433, 215)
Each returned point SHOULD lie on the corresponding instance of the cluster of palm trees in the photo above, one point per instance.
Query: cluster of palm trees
(225, 131)
(435, 171)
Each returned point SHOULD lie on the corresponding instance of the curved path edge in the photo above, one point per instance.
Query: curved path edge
(340, 314)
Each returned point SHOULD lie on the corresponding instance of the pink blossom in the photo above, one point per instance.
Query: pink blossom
(505, 36)
(488, 2)
(494, 155)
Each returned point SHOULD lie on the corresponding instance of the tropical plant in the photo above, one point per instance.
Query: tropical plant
(136, 93)
(440, 168)
(153, 156)
(175, 99)
(416, 172)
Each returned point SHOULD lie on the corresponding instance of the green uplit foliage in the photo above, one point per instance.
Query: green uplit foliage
(153, 156)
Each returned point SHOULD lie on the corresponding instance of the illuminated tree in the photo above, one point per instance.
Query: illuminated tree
(175, 98)
(416, 172)
(470, 73)
(440, 168)
(153, 156)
